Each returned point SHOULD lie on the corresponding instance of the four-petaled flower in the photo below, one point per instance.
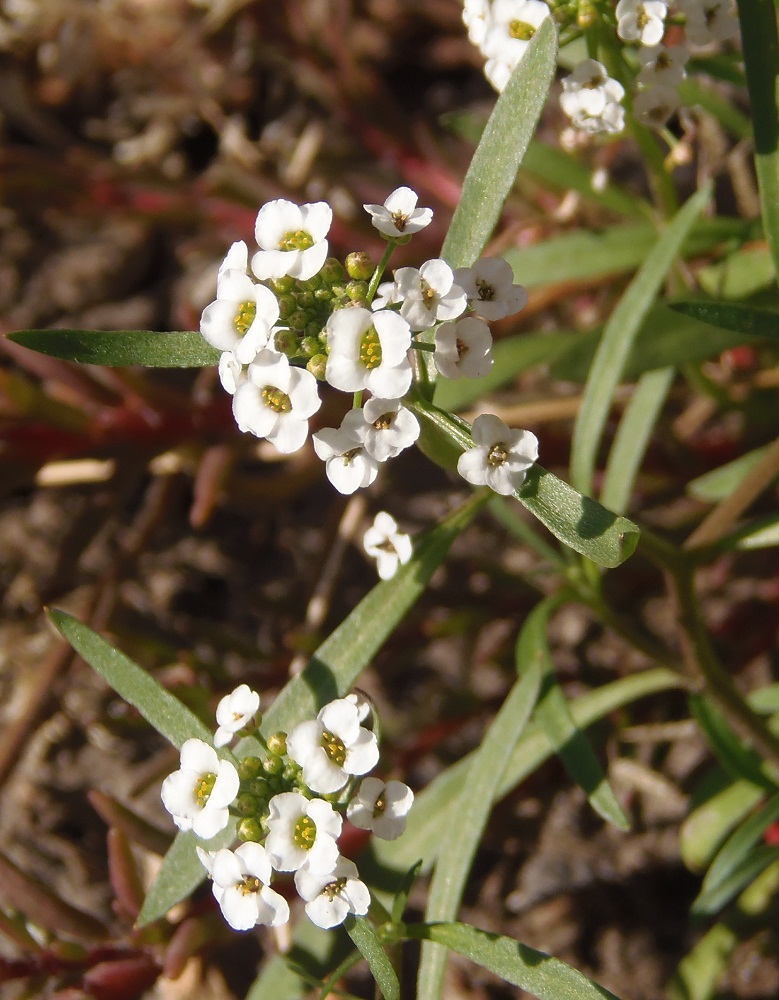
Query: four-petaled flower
(242, 311)
(463, 349)
(388, 546)
(301, 832)
(428, 295)
(385, 426)
(501, 456)
(233, 712)
(332, 896)
(241, 886)
(293, 239)
(348, 465)
(333, 747)
(368, 350)
(399, 215)
(381, 807)
(490, 288)
(198, 795)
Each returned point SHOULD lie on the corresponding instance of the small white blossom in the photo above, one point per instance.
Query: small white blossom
(463, 349)
(231, 372)
(428, 295)
(293, 239)
(386, 295)
(388, 546)
(198, 795)
(591, 99)
(369, 351)
(641, 21)
(332, 747)
(301, 832)
(654, 106)
(501, 457)
(399, 215)
(241, 309)
(476, 15)
(662, 66)
(236, 258)
(241, 886)
(361, 702)
(389, 427)
(234, 711)
(348, 465)
(708, 21)
(490, 289)
(510, 26)
(276, 400)
(330, 898)
(381, 807)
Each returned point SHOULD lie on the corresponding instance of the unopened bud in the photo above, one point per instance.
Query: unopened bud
(359, 266)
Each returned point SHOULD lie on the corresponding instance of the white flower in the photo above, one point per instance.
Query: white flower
(242, 886)
(510, 26)
(293, 239)
(333, 747)
(381, 807)
(399, 215)
(501, 457)
(276, 400)
(198, 795)
(361, 702)
(236, 258)
(388, 546)
(386, 295)
(231, 372)
(476, 14)
(301, 832)
(708, 21)
(331, 897)
(591, 99)
(429, 295)
(463, 349)
(655, 105)
(234, 711)
(662, 66)
(348, 465)
(641, 21)
(369, 351)
(490, 289)
(387, 428)
(241, 309)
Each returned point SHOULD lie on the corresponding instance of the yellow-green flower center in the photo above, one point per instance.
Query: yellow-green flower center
(370, 349)
(334, 748)
(384, 422)
(304, 833)
(296, 239)
(521, 30)
(428, 294)
(497, 454)
(333, 889)
(349, 455)
(399, 221)
(249, 885)
(244, 316)
(203, 788)
(275, 399)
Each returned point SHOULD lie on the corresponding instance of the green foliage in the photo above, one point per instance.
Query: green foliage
(179, 349)
(364, 937)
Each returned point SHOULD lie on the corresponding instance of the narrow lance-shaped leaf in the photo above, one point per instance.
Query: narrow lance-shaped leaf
(468, 813)
(740, 843)
(116, 348)
(617, 339)
(554, 717)
(751, 320)
(754, 863)
(330, 674)
(545, 977)
(364, 937)
(581, 523)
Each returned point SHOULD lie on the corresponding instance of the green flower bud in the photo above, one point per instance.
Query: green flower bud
(287, 342)
(273, 765)
(259, 788)
(317, 366)
(332, 271)
(323, 294)
(282, 284)
(250, 829)
(287, 305)
(249, 767)
(309, 346)
(359, 266)
(246, 804)
(277, 744)
(357, 290)
(306, 300)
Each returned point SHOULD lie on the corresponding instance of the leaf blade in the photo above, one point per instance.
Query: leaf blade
(116, 348)
(364, 938)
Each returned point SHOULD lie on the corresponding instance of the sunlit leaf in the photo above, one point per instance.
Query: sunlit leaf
(740, 843)
(720, 483)
(712, 900)
(179, 349)
(364, 937)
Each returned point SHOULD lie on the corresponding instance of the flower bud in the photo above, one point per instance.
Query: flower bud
(359, 266)
(357, 290)
(317, 365)
(273, 765)
(277, 744)
(250, 829)
(249, 767)
(287, 342)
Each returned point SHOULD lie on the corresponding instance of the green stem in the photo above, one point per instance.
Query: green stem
(417, 345)
(660, 181)
(380, 268)
(760, 44)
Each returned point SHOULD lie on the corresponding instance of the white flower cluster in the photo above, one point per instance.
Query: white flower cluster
(292, 316)
(591, 99)
(501, 30)
(290, 805)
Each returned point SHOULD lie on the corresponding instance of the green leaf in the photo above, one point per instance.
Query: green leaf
(312, 953)
(554, 717)
(707, 826)
(422, 838)
(581, 523)
(699, 972)
(512, 355)
(469, 812)
(584, 256)
(742, 875)
(742, 273)
(400, 901)
(179, 349)
(720, 483)
(364, 937)
(740, 843)
(751, 320)
(159, 707)
(497, 158)
(632, 437)
(545, 977)
(761, 533)
(760, 45)
(666, 338)
(330, 674)
(736, 757)
(618, 336)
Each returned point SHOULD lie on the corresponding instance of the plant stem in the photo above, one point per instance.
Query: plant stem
(380, 268)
